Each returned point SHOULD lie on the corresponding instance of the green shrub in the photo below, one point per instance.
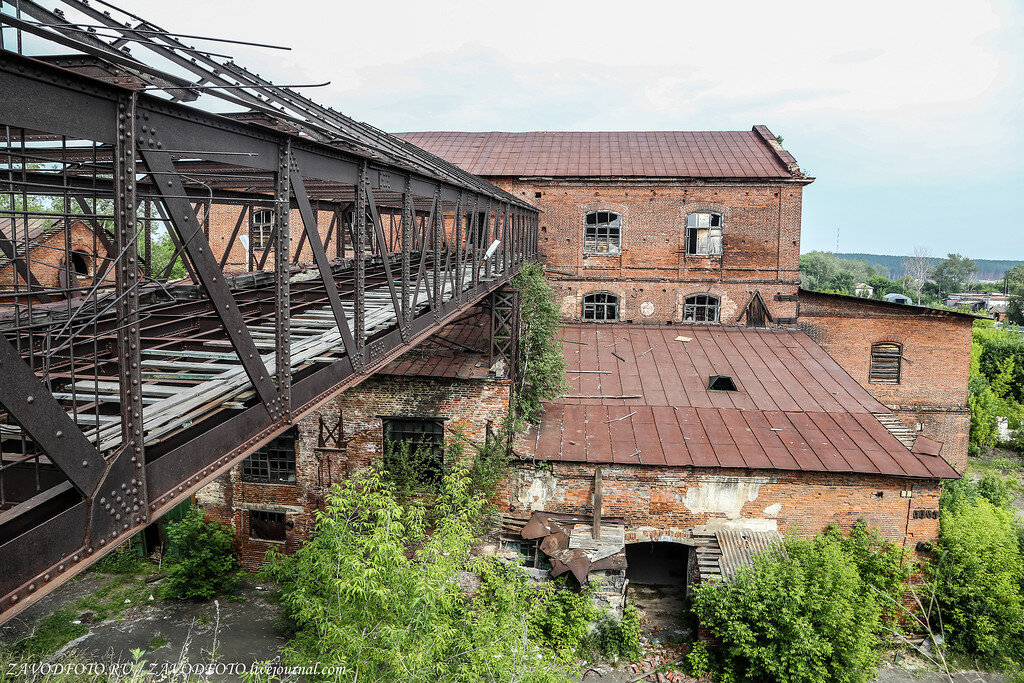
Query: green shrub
(376, 595)
(698, 659)
(619, 639)
(800, 613)
(978, 577)
(124, 560)
(541, 364)
(200, 560)
(880, 564)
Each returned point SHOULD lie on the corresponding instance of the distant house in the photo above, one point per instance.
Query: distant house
(41, 256)
(863, 289)
(980, 302)
(896, 298)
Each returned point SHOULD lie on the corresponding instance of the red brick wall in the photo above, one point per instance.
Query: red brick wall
(667, 503)
(932, 392)
(468, 405)
(760, 250)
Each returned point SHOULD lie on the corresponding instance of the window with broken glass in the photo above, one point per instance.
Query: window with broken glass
(701, 308)
(414, 450)
(274, 463)
(603, 233)
(885, 363)
(267, 525)
(260, 227)
(704, 234)
(601, 306)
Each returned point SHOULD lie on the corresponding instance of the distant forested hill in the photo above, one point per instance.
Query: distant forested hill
(988, 269)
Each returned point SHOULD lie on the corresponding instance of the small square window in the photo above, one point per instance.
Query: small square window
(274, 463)
(267, 525)
(260, 229)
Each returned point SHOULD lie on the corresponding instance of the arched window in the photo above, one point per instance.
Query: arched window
(260, 227)
(602, 233)
(704, 234)
(601, 306)
(701, 308)
(886, 358)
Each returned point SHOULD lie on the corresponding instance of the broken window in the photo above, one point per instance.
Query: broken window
(701, 308)
(704, 234)
(602, 233)
(528, 550)
(414, 450)
(260, 227)
(274, 463)
(885, 363)
(601, 306)
(267, 525)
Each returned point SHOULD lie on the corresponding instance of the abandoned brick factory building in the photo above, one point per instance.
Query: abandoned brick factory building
(713, 403)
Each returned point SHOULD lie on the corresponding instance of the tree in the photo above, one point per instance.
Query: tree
(955, 273)
(1013, 285)
(916, 267)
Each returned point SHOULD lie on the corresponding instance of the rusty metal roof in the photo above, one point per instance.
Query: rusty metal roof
(722, 552)
(639, 395)
(460, 350)
(662, 154)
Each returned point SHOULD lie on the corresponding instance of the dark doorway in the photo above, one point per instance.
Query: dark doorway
(657, 564)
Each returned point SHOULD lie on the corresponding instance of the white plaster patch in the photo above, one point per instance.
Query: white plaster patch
(723, 495)
(773, 510)
(534, 490)
(211, 494)
(751, 523)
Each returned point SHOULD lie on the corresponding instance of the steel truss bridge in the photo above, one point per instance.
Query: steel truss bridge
(124, 390)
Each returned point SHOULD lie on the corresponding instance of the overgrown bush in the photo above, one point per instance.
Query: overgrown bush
(802, 612)
(619, 639)
(541, 364)
(373, 593)
(979, 574)
(880, 563)
(126, 560)
(200, 559)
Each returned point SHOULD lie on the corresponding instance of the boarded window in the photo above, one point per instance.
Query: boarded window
(602, 233)
(266, 525)
(414, 449)
(701, 308)
(274, 463)
(885, 363)
(601, 306)
(260, 227)
(704, 234)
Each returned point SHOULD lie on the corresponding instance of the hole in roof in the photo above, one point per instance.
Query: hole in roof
(721, 383)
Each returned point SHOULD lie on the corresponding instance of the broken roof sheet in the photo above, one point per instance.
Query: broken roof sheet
(662, 154)
(639, 396)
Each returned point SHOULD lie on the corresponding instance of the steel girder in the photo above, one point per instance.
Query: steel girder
(112, 479)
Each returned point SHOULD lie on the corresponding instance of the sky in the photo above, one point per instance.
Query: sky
(907, 113)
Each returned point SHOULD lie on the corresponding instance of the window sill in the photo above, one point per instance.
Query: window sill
(267, 540)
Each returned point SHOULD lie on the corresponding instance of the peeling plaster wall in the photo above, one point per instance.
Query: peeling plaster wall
(671, 503)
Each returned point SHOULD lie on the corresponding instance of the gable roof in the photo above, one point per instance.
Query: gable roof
(661, 154)
(639, 395)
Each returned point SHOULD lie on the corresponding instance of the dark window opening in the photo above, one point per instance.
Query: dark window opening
(704, 234)
(721, 383)
(602, 233)
(79, 263)
(274, 463)
(886, 359)
(265, 525)
(414, 450)
(537, 195)
(601, 306)
(529, 552)
(260, 228)
(657, 564)
(701, 308)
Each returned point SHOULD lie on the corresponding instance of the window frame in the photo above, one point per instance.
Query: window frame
(268, 513)
(264, 459)
(691, 305)
(612, 245)
(435, 442)
(604, 305)
(879, 356)
(691, 233)
(261, 230)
